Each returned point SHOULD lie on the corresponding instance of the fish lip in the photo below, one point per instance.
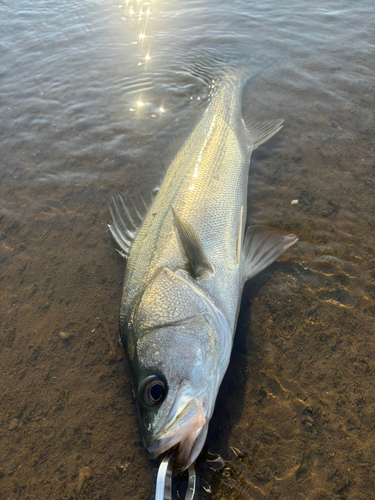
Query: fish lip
(158, 447)
(182, 430)
(183, 455)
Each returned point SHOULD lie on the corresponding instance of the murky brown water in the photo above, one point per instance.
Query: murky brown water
(82, 119)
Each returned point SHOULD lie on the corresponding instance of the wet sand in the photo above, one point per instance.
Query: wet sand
(298, 398)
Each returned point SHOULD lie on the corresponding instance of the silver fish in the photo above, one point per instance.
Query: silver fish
(186, 268)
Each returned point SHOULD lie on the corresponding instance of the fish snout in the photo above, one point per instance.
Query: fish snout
(182, 432)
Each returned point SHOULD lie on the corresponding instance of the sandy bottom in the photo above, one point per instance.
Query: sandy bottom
(298, 402)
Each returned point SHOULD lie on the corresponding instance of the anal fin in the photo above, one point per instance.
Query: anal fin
(199, 264)
(260, 132)
(262, 246)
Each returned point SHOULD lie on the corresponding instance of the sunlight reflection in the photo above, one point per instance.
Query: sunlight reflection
(195, 175)
(140, 10)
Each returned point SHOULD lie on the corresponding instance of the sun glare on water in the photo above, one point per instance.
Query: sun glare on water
(137, 13)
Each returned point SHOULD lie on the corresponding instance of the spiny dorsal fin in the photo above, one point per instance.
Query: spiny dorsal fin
(125, 226)
(199, 264)
(260, 132)
(262, 246)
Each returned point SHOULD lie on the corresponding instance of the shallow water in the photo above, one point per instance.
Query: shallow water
(91, 107)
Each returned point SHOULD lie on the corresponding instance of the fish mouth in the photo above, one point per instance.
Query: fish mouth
(182, 432)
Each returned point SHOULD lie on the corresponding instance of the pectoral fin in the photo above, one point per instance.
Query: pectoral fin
(199, 264)
(262, 246)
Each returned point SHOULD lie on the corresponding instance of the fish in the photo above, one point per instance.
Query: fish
(187, 260)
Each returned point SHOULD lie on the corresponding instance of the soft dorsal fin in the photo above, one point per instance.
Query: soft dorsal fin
(260, 132)
(262, 246)
(125, 226)
(199, 264)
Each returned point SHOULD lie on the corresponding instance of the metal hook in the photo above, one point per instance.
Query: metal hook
(164, 480)
(193, 486)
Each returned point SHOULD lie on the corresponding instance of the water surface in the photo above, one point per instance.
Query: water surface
(96, 98)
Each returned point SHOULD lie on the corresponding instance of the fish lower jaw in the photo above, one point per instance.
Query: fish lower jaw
(186, 449)
(182, 430)
(189, 450)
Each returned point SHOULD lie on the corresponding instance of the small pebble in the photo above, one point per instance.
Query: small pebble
(84, 473)
(13, 424)
(294, 202)
(65, 335)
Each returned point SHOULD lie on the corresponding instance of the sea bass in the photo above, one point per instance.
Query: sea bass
(186, 268)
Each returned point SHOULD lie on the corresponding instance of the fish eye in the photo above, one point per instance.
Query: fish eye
(153, 390)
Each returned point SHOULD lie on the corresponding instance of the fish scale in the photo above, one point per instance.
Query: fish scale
(213, 206)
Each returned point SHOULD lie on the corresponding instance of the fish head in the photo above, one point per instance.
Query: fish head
(179, 356)
(176, 387)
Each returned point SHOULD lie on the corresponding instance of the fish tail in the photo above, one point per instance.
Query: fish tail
(236, 63)
(244, 72)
